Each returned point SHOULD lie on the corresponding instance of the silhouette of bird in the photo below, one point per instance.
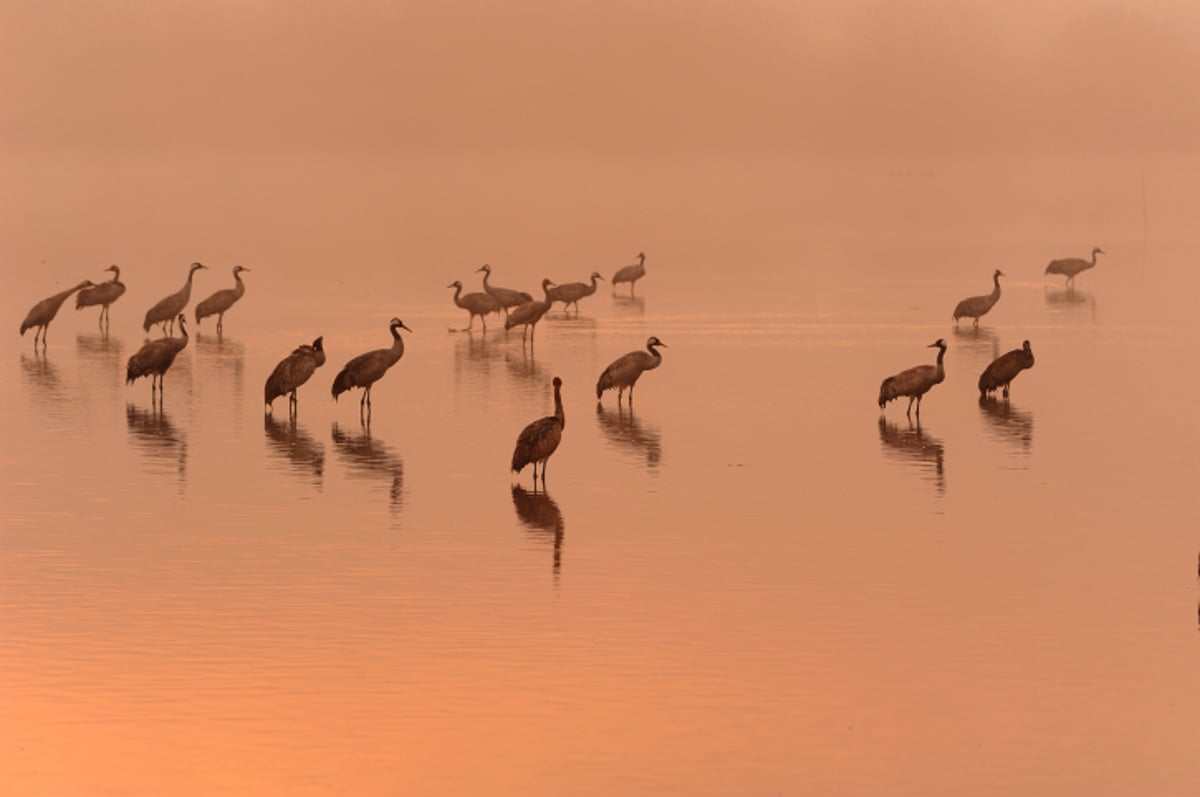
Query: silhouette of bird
(366, 369)
(630, 274)
(1071, 266)
(572, 292)
(1004, 369)
(976, 306)
(42, 313)
(506, 296)
(103, 294)
(625, 371)
(540, 439)
(155, 357)
(527, 315)
(167, 309)
(292, 372)
(914, 382)
(222, 300)
(477, 304)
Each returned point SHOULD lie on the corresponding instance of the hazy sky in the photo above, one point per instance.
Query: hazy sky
(611, 76)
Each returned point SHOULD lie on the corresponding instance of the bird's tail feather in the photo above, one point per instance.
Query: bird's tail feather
(341, 383)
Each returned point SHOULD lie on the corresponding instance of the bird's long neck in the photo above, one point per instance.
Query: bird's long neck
(558, 407)
(458, 292)
(546, 290)
(240, 288)
(996, 283)
(592, 289)
(486, 274)
(1093, 263)
(397, 350)
(941, 354)
(59, 298)
(182, 340)
(116, 275)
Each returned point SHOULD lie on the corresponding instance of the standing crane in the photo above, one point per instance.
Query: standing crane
(506, 296)
(167, 309)
(222, 300)
(540, 439)
(528, 314)
(572, 292)
(154, 358)
(103, 294)
(914, 382)
(477, 304)
(631, 273)
(41, 314)
(976, 306)
(292, 372)
(1070, 266)
(1004, 369)
(625, 371)
(367, 369)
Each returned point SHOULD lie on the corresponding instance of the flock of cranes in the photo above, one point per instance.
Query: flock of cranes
(536, 442)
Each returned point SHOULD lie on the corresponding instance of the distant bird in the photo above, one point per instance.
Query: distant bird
(572, 292)
(631, 274)
(1004, 370)
(540, 439)
(506, 296)
(625, 371)
(166, 310)
(528, 314)
(292, 372)
(222, 300)
(103, 294)
(155, 357)
(914, 382)
(42, 313)
(976, 306)
(1070, 266)
(477, 304)
(367, 369)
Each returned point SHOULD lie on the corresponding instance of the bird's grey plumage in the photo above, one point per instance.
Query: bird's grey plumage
(477, 304)
(155, 357)
(103, 294)
(1071, 266)
(570, 293)
(631, 273)
(528, 314)
(914, 382)
(366, 369)
(506, 296)
(1004, 369)
(292, 372)
(170, 307)
(976, 306)
(540, 439)
(222, 300)
(41, 314)
(625, 371)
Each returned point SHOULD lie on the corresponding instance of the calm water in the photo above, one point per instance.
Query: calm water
(754, 583)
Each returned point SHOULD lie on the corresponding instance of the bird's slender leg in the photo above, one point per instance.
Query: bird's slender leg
(909, 411)
(918, 409)
(545, 462)
(976, 324)
(631, 397)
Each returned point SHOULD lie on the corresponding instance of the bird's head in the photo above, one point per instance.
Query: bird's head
(999, 273)
(1098, 251)
(547, 283)
(484, 268)
(113, 269)
(455, 284)
(397, 323)
(319, 343)
(1026, 347)
(239, 269)
(596, 276)
(181, 320)
(87, 284)
(198, 265)
(641, 255)
(557, 382)
(655, 342)
(937, 344)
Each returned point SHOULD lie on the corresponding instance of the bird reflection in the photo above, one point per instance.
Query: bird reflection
(526, 368)
(629, 305)
(1008, 422)
(289, 442)
(537, 510)
(371, 459)
(97, 345)
(43, 376)
(153, 434)
(100, 354)
(1070, 300)
(625, 431)
(981, 341)
(914, 445)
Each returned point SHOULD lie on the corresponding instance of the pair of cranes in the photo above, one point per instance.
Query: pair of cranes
(975, 307)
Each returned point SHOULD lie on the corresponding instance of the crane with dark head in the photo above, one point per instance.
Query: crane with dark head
(914, 382)
(625, 371)
(222, 300)
(1072, 266)
(367, 369)
(1004, 369)
(155, 358)
(171, 306)
(540, 439)
(976, 306)
(292, 372)
(103, 294)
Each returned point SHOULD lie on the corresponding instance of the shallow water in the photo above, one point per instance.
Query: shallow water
(753, 583)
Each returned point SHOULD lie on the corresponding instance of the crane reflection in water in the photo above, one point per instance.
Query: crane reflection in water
(542, 517)
(914, 445)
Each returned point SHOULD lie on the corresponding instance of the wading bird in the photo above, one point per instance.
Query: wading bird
(625, 371)
(539, 439)
(1070, 266)
(292, 372)
(914, 382)
(527, 315)
(222, 300)
(154, 358)
(572, 292)
(506, 296)
(167, 309)
(367, 369)
(41, 314)
(477, 304)
(976, 306)
(1004, 370)
(630, 274)
(103, 294)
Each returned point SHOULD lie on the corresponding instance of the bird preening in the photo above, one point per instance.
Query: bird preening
(914, 382)
(1070, 267)
(103, 294)
(367, 369)
(975, 306)
(41, 314)
(292, 372)
(625, 371)
(1004, 369)
(170, 307)
(540, 439)
(222, 300)
(155, 358)
(630, 274)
